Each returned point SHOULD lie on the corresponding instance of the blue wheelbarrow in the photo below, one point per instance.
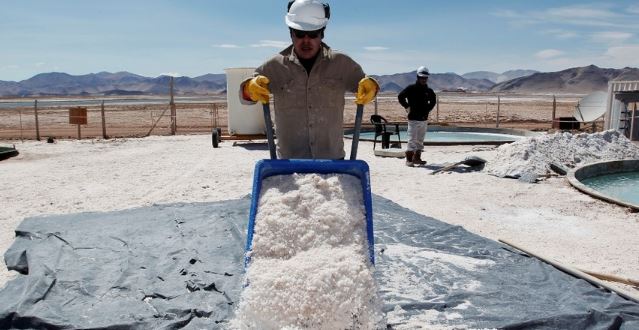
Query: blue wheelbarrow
(270, 167)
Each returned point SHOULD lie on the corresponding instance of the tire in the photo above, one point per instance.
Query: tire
(215, 138)
(219, 134)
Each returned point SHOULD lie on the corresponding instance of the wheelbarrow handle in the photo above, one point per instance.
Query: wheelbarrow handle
(358, 125)
(271, 142)
(269, 129)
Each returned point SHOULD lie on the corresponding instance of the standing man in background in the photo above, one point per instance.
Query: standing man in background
(308, 81)
(418, 99)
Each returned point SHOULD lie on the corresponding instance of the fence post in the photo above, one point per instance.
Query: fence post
(487, 118)
(376, 104)
(437, 110)
(632, 122)
(211, 112)
(35, 108)
(172, 105)
(104, 134)
(20, 112)
(214, 115)
(554, 111)
(498, 106)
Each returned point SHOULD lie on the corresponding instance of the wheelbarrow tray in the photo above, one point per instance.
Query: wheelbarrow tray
(266, 168)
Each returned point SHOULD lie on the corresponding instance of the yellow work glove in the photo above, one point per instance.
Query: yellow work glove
(366, 90)
(257, 89)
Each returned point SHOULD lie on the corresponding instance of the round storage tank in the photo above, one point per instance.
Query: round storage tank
(243, 119)
(614, 181)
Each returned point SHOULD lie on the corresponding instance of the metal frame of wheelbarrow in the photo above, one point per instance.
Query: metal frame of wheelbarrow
(269, 167)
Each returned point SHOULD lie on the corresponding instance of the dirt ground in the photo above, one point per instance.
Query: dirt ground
(530, 112)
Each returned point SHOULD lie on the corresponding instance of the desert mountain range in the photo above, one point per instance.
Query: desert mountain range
(581, 80)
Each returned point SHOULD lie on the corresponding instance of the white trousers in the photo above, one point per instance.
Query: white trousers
(416, 133)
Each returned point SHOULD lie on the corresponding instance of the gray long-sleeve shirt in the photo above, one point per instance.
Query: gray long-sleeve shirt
(309, 107)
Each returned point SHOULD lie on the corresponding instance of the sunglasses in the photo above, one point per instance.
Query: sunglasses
(311, 34)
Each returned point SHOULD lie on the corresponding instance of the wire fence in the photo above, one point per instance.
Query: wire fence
(111, 120)
(531, 112)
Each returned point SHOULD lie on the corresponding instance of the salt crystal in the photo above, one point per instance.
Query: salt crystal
(309, 264)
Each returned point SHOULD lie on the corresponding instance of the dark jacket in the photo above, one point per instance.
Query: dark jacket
(421, 100)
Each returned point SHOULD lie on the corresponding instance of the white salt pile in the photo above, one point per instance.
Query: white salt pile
(532, 156)
(309, 265)
(297, 212)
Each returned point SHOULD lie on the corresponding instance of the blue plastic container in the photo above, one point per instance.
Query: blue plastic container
(265, 168)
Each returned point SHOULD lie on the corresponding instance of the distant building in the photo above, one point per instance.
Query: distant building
(456, 90)
(621, 110)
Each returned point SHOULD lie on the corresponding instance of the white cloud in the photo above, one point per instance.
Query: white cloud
(517, 19)
(226, 46)
(634, 9)
(561, 34)
(613, 37)
(602, 15)
(613, 57)
(506, 13)
(10, 67)
(390, 62)
(580, 12)
(375, 48)
(171, 74)
(563, 63)
(623, 56)
(272, 44)
(548, 54)
(39, 64)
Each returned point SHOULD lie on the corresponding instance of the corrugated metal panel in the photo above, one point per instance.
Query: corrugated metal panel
(624, 86)
(614, 106)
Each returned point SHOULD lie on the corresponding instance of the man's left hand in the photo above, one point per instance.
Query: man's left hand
(366, 90)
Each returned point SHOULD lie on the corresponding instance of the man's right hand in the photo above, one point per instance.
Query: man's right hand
(257, 89)
(407, 109)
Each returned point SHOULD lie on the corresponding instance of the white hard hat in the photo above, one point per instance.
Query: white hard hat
(422, 71)
(307, 15)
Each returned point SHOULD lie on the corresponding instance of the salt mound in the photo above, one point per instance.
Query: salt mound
(531, 156)
(300, 211)
(309, 262)
(323, 288)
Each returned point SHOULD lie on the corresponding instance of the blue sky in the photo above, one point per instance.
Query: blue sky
(195, 37)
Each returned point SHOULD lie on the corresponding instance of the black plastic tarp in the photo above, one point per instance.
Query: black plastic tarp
(180, 266)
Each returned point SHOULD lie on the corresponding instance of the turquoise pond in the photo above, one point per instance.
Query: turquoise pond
(623, 186)
(449, 137)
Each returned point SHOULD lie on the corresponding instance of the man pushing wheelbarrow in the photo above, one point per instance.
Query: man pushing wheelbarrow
(308, 81)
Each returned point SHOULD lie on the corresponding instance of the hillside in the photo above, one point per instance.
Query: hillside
(105, 83)
(582, 80)
(437, 81)
(498, 77)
